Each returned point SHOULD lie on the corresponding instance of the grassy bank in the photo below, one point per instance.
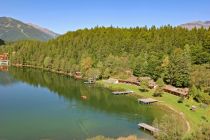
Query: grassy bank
(194, 118)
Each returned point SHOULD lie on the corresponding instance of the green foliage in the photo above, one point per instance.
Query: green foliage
(157, 93)
(160, 82)
(200, 76)
(181, 99)
(178, 70)
(199, 55)
(170, 128)
(48, 61)
(203, 133)
(199, 96)
(155, 52)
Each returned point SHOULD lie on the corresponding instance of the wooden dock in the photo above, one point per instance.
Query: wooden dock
(147, 101)
(89, 82)
(122, 92)
(148, 127)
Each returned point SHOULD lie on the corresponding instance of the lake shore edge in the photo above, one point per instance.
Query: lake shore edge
(101, 83)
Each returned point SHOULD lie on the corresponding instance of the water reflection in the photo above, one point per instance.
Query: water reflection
(4, 68)
(97, 97)
(44, 105)
(5, 78)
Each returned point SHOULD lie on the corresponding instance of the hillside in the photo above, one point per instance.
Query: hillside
(196, 24)
(13, 30)
(44, 30)
(164, 52)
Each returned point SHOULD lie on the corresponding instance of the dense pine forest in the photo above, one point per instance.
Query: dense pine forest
(179, 56)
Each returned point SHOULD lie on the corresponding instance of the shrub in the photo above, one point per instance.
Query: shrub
(181, 100)
(157, 94)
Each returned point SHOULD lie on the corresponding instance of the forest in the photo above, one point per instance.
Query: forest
(179, 56)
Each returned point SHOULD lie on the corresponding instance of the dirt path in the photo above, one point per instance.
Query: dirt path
(180, 114)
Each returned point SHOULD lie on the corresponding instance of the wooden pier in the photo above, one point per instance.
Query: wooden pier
(147, 101)
(90, 81)
(148, 127)
(122, 92)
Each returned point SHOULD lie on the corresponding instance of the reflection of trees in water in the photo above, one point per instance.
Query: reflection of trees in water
(97, 97)
(6, 79)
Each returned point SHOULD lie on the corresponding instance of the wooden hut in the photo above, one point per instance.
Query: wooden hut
(78, 75)
(131, 80)
(176, 91)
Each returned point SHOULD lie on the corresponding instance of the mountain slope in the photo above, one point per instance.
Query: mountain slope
(45, 30)
(196, 24)
(13, 30)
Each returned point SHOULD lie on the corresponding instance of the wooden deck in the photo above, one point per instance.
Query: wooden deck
(147, 101)
(121, 92)
(148, 127)
(89, 82)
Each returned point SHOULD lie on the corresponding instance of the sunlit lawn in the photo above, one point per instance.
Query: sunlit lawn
(194, 117)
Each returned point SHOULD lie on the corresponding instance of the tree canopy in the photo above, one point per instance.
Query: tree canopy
(166, 52)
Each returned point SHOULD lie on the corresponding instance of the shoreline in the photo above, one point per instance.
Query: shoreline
(159, 104)
(180, 114)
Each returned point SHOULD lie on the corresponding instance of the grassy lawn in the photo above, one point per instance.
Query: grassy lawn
(193, 117)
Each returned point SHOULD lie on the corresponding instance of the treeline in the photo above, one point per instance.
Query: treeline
(2, 42)
(166, 52)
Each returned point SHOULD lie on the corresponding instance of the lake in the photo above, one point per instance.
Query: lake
(39, 105)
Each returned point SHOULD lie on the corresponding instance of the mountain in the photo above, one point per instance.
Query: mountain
(45, 30)
(13, 30)
(196, 24)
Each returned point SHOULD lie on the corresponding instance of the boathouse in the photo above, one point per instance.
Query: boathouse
(78, 75)
(4, 59)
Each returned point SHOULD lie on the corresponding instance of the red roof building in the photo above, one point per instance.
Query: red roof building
(176, 91)
(4, 56)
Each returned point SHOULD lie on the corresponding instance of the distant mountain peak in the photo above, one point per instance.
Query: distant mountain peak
(196, 24)
(12, 30)
(45, 30)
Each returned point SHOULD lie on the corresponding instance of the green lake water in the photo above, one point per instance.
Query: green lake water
(39, 105)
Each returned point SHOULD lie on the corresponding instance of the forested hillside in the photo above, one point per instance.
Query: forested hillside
(167, 52)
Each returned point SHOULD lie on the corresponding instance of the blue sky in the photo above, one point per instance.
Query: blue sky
(67, 15)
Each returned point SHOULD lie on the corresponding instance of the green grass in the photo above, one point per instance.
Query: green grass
(193, 117)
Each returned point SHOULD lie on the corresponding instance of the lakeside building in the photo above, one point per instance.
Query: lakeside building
(176, 91)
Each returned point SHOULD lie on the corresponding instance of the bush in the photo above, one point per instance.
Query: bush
(157, 94)
(143, 90)
(181, 100)
(170, 128)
